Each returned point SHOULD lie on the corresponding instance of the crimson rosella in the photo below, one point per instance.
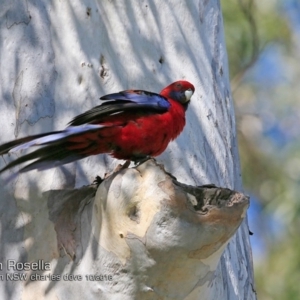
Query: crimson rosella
(130, 125)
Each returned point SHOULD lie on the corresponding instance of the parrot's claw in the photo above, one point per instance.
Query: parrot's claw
(122, 167)
(98, 180)
(141, 160)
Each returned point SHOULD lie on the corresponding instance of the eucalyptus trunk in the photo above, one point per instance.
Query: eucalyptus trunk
(73, 241)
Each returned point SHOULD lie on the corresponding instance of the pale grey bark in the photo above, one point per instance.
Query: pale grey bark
(56, 59)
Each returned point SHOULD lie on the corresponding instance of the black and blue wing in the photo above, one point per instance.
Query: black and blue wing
(125, 101)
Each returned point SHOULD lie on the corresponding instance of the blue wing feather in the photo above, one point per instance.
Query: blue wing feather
(139, 97)
(125, 101)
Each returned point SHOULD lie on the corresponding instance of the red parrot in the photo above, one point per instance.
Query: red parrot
(130, 125)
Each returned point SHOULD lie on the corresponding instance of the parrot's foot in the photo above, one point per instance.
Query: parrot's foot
(122, 167)
(98, 180)
(141, 160)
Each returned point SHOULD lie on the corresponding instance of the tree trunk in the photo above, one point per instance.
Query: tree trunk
(57, 59)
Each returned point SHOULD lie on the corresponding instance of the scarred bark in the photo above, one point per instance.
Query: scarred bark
(155, 238)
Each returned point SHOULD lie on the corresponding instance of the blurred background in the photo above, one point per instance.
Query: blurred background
(263, 44)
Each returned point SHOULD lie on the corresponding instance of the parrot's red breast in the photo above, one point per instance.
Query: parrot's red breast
(129, 125)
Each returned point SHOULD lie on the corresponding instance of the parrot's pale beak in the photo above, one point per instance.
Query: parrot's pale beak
(188, 94)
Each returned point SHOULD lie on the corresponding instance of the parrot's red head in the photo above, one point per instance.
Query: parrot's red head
(180, 91)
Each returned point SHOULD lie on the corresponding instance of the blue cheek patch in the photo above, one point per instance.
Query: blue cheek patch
(178, 96)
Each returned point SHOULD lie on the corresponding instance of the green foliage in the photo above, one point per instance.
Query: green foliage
(270, 169)
(278, 276)
(249, 27)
